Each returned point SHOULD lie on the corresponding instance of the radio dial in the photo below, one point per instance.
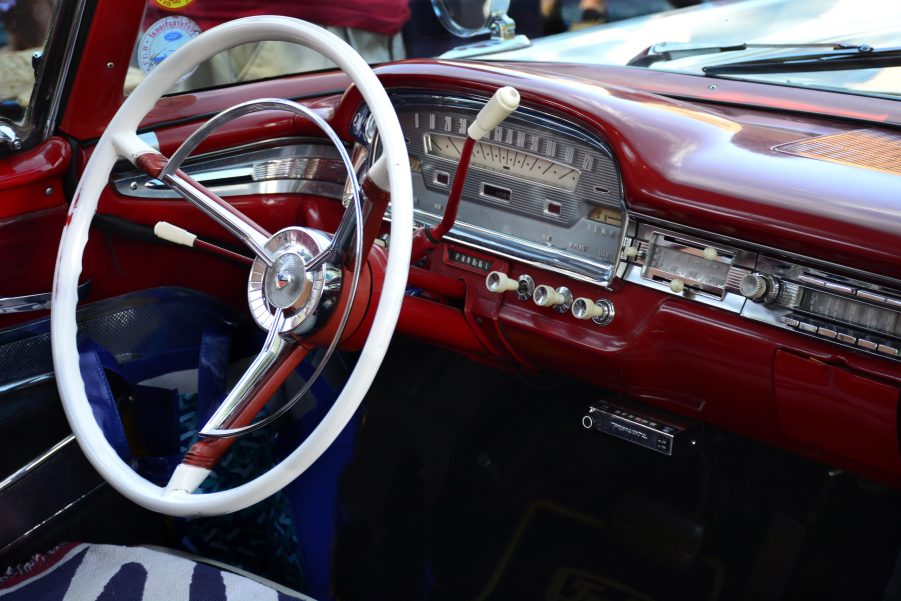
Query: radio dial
(759, 288)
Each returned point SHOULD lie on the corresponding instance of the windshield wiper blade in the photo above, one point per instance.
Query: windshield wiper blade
(671, 51)
(862, 57)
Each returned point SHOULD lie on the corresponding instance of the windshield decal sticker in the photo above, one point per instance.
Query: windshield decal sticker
(174, 4)
(162, 39)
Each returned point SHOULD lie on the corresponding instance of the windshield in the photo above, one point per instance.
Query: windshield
(769, 28)
(603, 32)
(380, 30)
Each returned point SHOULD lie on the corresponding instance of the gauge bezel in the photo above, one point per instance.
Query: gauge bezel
(524, 251)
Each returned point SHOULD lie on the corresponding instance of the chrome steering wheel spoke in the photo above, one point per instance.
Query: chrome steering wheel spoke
(238, 224)
(272, 356)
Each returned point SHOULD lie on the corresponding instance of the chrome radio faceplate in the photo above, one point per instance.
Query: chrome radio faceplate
(843, 310)
(846, 311)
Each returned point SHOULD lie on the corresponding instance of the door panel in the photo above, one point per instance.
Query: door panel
(32, 213)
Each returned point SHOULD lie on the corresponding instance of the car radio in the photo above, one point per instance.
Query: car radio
(846, 311)
(817, 303)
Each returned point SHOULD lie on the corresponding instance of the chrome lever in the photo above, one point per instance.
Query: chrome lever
(36, 302)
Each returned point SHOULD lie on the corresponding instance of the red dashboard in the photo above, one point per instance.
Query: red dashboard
(710, 166)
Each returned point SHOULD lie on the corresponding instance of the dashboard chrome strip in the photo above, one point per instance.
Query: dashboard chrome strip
(295, 169)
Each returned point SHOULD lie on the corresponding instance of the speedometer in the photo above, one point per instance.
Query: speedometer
(506, 160)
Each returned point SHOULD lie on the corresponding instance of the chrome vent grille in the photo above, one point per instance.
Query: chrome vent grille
(869, 149)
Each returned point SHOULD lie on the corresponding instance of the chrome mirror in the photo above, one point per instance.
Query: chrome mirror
(469, 18)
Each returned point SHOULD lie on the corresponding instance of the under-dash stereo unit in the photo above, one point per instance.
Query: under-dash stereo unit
(824, 305)
(643, 426)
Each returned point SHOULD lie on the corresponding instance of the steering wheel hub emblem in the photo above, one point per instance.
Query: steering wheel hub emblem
(287, 285)
(305, 297)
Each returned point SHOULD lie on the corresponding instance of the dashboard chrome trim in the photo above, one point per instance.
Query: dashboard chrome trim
(296, 168)
(875, 280)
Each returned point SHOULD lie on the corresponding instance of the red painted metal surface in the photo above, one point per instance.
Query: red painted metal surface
(27, 267)
(850, 414)
(438, 323)
(32, 181)
(183, 107)
(264, 126)
(724, 91)
(97, 91)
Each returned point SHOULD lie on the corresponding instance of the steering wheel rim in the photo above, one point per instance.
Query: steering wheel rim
(120, 140)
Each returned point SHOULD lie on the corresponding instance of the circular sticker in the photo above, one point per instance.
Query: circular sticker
(173, 4)
(162, 39)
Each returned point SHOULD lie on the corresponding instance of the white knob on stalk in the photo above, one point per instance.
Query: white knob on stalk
(500, 283)
(378, 173)
(173, 233)
(504, 102)
(584, 308)
(545, 296)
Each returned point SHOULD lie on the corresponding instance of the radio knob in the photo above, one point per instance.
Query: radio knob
(500, 283)
(758, 287)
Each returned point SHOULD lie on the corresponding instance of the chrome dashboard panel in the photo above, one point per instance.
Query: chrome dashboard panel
(290, 167)
(540, 189)
(814, 302)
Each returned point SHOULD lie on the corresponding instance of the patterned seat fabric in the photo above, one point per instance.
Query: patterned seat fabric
(86, 572)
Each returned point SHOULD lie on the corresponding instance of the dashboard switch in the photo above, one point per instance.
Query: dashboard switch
(500, 283)
(599, 311)
(560, 299)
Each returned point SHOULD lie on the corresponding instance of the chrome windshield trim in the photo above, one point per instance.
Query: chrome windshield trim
(66, 65)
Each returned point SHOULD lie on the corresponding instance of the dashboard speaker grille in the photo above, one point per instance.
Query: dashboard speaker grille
(877, 150)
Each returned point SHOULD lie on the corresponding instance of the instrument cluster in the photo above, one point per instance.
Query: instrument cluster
(539, 189)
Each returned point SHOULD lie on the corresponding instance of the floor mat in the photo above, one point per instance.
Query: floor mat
(558, 554)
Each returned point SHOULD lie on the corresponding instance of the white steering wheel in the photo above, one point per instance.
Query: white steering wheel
(281, 258)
